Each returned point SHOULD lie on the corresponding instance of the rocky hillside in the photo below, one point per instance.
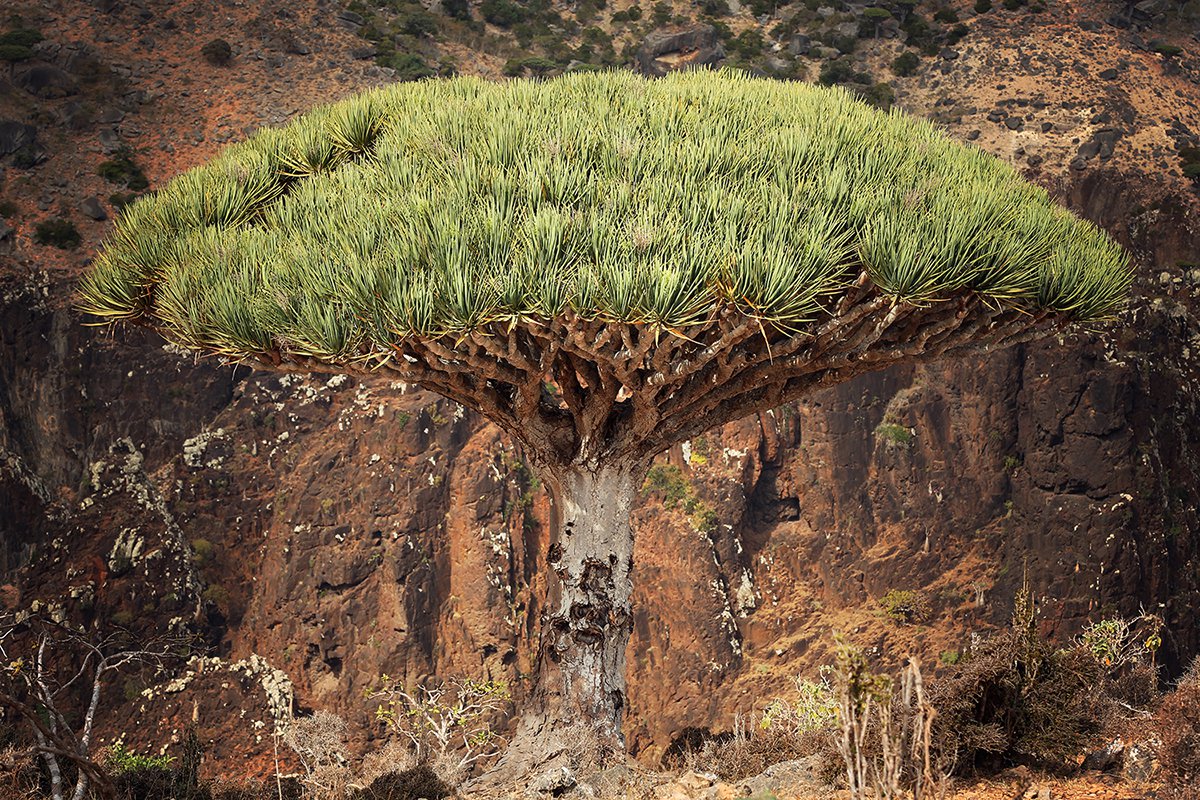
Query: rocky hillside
(321, 532)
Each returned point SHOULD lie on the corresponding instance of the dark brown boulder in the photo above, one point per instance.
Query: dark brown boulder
(664, 51)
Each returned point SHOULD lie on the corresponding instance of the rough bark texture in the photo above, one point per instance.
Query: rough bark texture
(579, 697)
(588, 618)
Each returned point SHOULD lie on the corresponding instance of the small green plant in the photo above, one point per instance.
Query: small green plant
(458, 9)
(120, 759)
(420, 23)
(667, 481)
(57, 232)
(120, 200)
(217, 595)
(631, 14)
(17, 45)
(906, 63)
(905, 606)
(841, 71)
(814, 708)
(1117, 641)
(880, 95)
(409, 67)
(202, 552)
(1189, 161)
(121, 169)
(1012, 463)
(950, 657)
(895, 434)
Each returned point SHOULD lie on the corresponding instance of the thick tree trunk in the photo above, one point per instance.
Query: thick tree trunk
(587, 621)
(579, 698)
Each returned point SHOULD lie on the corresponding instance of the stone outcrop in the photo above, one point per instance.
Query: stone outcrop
(664, 51)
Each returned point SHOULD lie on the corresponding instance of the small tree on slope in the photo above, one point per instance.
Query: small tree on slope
(604, 266)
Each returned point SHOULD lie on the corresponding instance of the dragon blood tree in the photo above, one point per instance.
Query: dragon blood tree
(604, 266)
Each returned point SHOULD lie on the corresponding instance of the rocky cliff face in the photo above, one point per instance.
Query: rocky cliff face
(342, 530)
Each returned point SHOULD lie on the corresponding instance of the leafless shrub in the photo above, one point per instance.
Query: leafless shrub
(787, 729)
(319, 742)
(1014, 697)
(448, 725)
(43, 672)
(1178, 723)
(392, 757)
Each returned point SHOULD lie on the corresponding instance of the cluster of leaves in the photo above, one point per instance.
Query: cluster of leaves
(119, 759)
(18, 43)
(435, 207)
(895, 434)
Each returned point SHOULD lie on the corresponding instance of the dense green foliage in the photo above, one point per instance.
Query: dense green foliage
(435, 207)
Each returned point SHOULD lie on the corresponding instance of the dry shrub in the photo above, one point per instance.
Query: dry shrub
(319, 742)
(751, 748)
(392, 757)
(18, 774)
(1015, 698)
(288, 788)
(420, 781)
(1178, 722)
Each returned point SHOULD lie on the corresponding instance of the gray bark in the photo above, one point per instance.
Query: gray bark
(588, 617)
(579, 699)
